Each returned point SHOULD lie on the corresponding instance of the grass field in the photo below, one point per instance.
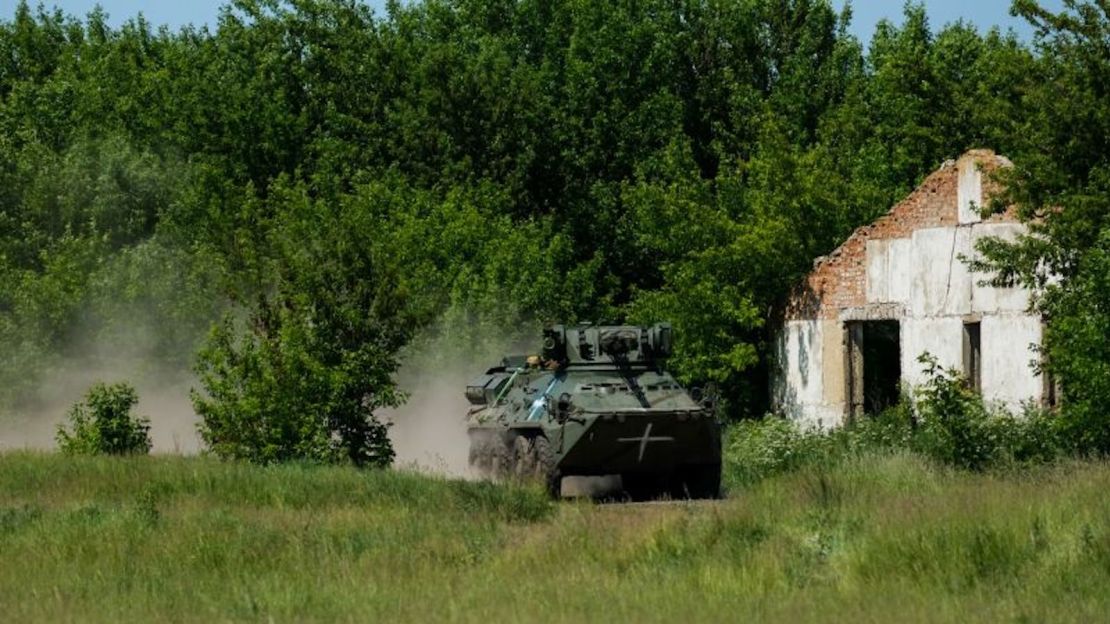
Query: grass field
(880, 539)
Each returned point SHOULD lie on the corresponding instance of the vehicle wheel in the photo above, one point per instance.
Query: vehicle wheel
(479, 456)
(698, 481)
(545, 468)
(501, 459)
(524, 459)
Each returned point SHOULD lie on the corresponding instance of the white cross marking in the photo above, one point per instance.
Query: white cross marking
(643, 440)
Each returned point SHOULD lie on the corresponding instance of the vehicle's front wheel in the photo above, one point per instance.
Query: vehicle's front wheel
(500, 458)
(524, 458)
(545, 468)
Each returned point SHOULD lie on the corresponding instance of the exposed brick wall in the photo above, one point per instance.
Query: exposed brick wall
(839, 280)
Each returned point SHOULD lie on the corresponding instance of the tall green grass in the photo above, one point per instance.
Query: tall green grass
(872, 538)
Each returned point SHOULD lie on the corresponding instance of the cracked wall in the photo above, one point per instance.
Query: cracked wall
(907, 266)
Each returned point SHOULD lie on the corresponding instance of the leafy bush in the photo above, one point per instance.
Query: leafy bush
(956, 427)
(891, 429)
(757, 449)
(273, 396)
(300, 380)
(1036, 436)
(102, 424)
(947, 422)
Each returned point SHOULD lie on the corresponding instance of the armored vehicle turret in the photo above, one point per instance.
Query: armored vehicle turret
(596, 400)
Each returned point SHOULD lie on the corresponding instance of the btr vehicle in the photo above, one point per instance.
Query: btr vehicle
(595, 401)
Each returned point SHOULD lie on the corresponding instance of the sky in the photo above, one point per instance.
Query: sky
(175, 13)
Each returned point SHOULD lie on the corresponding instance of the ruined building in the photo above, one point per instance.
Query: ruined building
(851, 334)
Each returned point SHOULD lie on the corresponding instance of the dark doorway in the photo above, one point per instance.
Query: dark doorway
(874, 366)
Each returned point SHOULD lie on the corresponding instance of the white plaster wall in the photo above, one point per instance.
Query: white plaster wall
(900, 253)
(988, 299)
(889, 265)
(939, 336)
(940, 282)
(878, 271)
(927, 285)
(1008, 375)
(823, 417)
(797, 390)
(969, 193)
(799, 346)
(957, 298)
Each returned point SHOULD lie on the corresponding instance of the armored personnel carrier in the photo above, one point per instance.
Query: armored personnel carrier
(595, 401)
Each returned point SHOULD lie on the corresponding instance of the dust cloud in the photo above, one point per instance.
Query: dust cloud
(163, 398)
(127, 349)
(429, 430)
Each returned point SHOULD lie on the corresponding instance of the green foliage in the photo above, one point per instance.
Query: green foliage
(300, 378)
(755, 450)
(523, 162)
(892, 430)
(1036, 435)
(758, 449)
(1060, 187)
(955, 425)
(83, 270)
(102, 424)
(1077, 350)
(946, 422)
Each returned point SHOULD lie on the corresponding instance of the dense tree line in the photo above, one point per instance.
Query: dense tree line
(322, 183)
(1062, 188)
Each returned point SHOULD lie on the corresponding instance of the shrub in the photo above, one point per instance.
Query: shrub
(1036, 436)
(956, 427)
(102, 424)
(274, 397)
(757, 449)
(947, 422)
(891, 429)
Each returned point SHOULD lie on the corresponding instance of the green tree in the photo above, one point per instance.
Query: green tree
(1061, 187)
(523, 161)
(300, 378)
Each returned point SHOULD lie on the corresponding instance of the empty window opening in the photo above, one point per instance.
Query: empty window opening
(1051, 393)
(973, 356)
(874, 366)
